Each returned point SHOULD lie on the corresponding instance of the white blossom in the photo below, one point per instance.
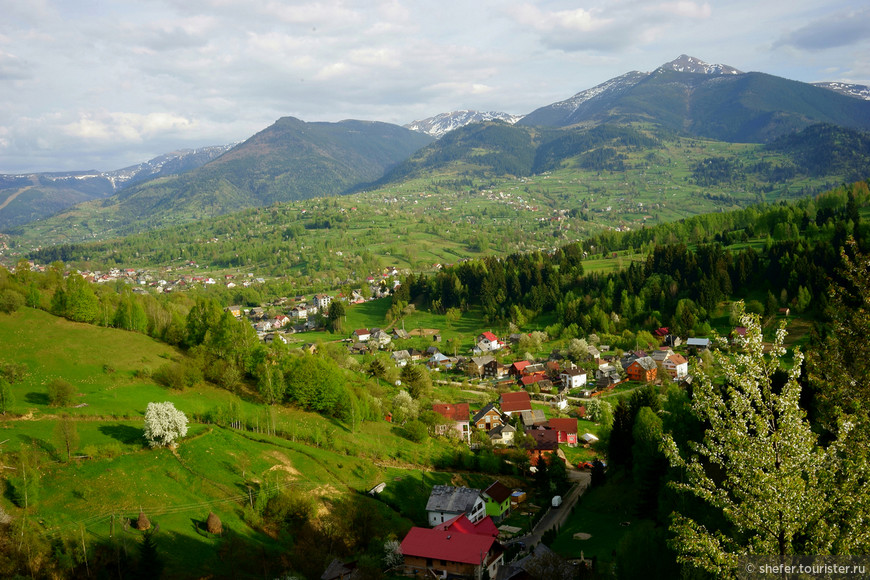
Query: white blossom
(164, 424)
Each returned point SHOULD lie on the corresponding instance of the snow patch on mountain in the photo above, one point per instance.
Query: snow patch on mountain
(441, 124)
(614, 85)
(850, 90)
(690, 64)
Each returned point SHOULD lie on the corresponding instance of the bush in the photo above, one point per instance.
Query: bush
(416, 431)
(10, 301)
(178, 375)
(60, 393)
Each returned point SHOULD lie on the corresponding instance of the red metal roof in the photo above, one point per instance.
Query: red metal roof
(519, 401)
(458, 412)
(461, 524)
(447, 545)
(489, 336)
(564, 425)
(532, 379)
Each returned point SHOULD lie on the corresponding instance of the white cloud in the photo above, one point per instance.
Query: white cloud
(685, 9)
(119, 127)
(577, 20)
(109, 83)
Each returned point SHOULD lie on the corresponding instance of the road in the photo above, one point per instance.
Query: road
(557, 516)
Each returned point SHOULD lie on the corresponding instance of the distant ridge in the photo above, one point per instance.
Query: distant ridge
(31, 196)
(848, 89)
(438, 125)
(714, 101)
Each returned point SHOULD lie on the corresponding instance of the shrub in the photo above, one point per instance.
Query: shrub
(10, 300)
(178, 375)
(416, 431)
(60, 393)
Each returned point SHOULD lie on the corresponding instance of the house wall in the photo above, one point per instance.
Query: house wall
(436, 518)
(494, 419)
(637, 373)
(416, 566)
(497, 510)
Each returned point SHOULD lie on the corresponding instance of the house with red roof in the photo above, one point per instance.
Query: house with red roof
(488, 342)
(529, 380)
(516, 368)
(566, 430)
(361, 335)
(434, 553)
(515, 402)
(458, 417)
(461, 524)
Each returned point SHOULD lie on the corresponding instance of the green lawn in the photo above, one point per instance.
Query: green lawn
(605, 513)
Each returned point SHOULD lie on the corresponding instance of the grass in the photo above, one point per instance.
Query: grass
(116, 474)
(602, 512)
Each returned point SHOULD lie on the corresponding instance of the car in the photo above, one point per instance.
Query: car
(584, 465)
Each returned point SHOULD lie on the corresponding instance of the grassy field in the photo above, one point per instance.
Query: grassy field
(113, 474)
(604, 513)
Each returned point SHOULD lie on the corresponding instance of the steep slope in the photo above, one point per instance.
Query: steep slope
(287, 161)
(439, 125)
(29, 197)
(714, 101)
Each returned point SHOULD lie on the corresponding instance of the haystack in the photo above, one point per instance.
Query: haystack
(143, 523)
(213, 524)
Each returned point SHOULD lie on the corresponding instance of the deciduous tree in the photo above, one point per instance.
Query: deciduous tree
(7, 399)
(164, 424)
(66, 433)
(760, 469)
(60, 393)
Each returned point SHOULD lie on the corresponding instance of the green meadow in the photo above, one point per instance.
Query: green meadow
(113, 474)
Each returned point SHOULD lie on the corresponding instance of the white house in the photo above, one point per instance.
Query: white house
(676, 365)
(573, 378)
(299, 312)
(321, 301)
(488, 342)
(446, 502)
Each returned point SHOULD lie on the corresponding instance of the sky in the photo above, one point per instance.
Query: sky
(104, 84)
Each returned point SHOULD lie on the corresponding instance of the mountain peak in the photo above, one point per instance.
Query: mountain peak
(443, 123)
(690, 64)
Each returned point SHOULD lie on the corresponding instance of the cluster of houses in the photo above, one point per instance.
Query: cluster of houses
(365, 340)
(498, 420)
(300, 317)
(462, 540)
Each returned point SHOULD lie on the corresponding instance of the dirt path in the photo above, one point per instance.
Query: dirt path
(12, 197)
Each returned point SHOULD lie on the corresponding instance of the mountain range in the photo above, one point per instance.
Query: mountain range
(28, 197)
(293, 159)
